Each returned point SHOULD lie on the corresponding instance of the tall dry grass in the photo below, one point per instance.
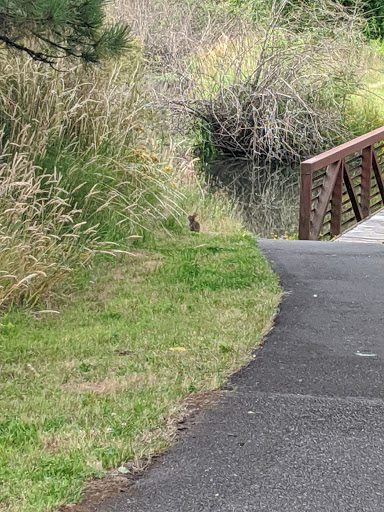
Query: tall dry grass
(78, 173)
(171, 30)
(42, 235)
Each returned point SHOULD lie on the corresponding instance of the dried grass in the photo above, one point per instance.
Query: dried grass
(78, 175)
(171, 30)
(109, 386)
(41, 235)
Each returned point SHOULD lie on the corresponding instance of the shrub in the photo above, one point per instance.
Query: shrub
(279, 92)
(374, 12)
(171, 30)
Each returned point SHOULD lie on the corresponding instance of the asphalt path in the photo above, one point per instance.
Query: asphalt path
(302, 427)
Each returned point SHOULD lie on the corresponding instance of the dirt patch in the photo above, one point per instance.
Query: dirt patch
(120, 274)
(67, 440)
(99, 490)
(107, 386)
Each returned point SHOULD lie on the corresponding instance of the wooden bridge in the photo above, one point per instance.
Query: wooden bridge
(342, 192)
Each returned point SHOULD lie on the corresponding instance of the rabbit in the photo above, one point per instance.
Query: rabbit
(193, 224)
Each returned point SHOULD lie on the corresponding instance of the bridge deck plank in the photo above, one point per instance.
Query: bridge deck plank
(370, 230)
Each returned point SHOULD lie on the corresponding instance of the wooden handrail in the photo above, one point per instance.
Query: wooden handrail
(328, 197)
(342, 151)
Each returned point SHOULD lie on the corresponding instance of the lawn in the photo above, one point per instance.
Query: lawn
(98, 384)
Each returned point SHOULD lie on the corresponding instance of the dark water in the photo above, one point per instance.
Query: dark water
(268, 198)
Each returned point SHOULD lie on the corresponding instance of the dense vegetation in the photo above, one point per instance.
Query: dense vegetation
(99, 166)
(48, 30)
(280, 82)
(374, 13)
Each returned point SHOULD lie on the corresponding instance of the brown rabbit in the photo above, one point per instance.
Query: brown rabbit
(193, 224)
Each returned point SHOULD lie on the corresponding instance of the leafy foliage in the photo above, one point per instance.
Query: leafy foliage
(374, 11)
(48, 30)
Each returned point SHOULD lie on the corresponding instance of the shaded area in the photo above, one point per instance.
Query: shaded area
(268, 196)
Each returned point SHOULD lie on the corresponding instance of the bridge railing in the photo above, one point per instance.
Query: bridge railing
(342, 187)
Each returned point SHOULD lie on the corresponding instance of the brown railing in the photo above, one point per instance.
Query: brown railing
(341, 187)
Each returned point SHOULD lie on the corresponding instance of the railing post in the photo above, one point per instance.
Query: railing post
(336, 203)
(305, 203)
(366, 173)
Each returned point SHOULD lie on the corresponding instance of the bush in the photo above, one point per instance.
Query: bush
(280, 92)
(374, 12)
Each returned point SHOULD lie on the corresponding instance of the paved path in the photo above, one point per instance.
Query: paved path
(303, 428)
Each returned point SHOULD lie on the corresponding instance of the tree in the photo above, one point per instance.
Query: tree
(49, 30)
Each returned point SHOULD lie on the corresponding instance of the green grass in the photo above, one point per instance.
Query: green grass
(96, 386)
(365, 111)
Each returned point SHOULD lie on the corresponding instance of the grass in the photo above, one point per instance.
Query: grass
(365, 111)
(96, 385)
(77, 176)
